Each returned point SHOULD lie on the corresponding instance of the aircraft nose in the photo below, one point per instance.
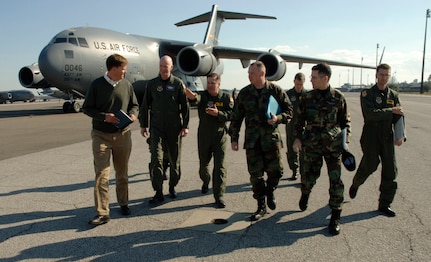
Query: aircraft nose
(51, 60)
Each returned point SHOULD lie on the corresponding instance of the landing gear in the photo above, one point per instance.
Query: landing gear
(71, 107)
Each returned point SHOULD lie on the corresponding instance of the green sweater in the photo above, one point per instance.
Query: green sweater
(102, 98)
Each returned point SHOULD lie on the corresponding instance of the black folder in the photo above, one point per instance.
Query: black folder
(125, 119)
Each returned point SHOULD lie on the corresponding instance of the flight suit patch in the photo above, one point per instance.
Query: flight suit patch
(170, 88)
(159, 88)
(364, 93)
(390, 102)
(378, 100)
(218, 104)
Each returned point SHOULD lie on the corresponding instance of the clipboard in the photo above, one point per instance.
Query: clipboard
(273, 107)
(125, 119)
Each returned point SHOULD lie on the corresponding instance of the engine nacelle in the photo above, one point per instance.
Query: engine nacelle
(196, 61)
(275, 65)
(31, 77)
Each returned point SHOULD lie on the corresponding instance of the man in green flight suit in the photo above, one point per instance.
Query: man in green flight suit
(166, 103)
(262, 140)
(322, 117)
(295, 94)
(214, 109)
(381, 109)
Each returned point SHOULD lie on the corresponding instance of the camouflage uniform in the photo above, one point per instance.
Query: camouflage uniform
(212, 138)
(321, 117)
(262, 141)
(292, 157)
(377, 141)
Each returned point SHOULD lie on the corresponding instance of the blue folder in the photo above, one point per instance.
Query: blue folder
(273, 107)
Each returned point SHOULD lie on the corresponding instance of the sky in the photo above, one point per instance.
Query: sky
(337, 30)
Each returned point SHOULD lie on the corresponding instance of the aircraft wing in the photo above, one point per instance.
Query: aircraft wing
(249, 54)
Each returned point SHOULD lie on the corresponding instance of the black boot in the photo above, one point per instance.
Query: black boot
(294, 175)
(334, 223)
(270, 199)
(303, 202)
(158, 197)
(172, 192)
(261, 210)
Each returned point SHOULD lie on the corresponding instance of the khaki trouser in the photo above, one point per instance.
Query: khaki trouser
(120, 146)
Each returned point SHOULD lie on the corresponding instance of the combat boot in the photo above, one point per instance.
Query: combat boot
(270, 199)
(294, 175)
(261, 210)
(158, 197)
(303, 202)
(334, 223)
(353, 191)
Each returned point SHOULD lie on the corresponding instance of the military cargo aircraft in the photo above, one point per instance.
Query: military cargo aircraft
(49, 93)
(16, 95)
(76, 56)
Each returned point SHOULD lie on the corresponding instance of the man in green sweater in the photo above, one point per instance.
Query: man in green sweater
(105, 98)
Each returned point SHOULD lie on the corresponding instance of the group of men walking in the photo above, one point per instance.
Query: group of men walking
(317, 128)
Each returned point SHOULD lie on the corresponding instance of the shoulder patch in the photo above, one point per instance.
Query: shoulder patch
(364, 93)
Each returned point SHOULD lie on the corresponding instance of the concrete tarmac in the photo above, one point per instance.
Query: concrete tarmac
(46, 201)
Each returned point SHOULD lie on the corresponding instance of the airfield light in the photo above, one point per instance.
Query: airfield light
(377, 54)
(423, 58)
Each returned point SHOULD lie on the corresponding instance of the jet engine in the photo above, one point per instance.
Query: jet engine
(31, 77)
(196, 60)
(275, 65)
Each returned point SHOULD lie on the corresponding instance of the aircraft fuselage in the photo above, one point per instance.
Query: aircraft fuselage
(75, 57)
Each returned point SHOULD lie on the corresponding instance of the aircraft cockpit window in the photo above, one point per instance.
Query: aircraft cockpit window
(73, 41)
(82, 42)
(60, 40)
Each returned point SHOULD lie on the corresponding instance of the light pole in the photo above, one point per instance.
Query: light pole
(423, 58)
(348, 76)
(377, 54)
(353, 76)
(362, 59)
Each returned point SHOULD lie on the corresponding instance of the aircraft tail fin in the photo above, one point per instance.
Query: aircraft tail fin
(215, 18)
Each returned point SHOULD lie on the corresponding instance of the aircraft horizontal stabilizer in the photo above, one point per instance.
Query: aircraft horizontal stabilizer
(203, 18)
